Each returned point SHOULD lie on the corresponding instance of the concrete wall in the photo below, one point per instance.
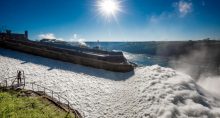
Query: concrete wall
(65, 56)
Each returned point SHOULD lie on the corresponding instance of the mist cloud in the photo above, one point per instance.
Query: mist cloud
(202, 64)
(211, 84)
(47, 36)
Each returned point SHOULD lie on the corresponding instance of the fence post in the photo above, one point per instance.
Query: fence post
(69, 106)
(6, 83)
(52, 94)
(24, 80)
(44, 91)
(59, 97)
(38, 88)
(32, 86)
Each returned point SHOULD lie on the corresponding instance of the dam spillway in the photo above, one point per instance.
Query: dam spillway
(108, 60)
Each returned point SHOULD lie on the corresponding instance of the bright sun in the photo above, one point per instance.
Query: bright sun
(109, 8)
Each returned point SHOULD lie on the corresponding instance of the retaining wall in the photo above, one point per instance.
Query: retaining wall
(112, 63)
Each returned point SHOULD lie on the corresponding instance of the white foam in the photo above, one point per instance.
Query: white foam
(150, 92)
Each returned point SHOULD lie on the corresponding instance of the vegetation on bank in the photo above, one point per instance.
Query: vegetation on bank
(15, 105)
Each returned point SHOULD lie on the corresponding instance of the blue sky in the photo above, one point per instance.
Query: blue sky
(138, 20)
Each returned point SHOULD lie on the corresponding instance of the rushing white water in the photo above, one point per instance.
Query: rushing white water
(145, 60)
(151, 91)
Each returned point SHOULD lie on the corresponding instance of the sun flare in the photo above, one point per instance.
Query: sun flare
(109, 8)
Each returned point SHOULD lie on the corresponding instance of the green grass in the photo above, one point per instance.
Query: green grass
(14, 106)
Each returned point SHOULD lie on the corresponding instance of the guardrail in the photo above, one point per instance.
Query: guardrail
(55, 96)
(6, 82)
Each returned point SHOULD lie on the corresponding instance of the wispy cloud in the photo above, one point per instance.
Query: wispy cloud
(184, 7)
(203, 3)
(181, 9)
(161, 17)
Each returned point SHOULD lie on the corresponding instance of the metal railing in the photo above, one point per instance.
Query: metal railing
(7, 82)
(49, 92)
(54, 96)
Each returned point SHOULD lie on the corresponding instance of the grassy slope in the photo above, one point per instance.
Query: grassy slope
(13, 106)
